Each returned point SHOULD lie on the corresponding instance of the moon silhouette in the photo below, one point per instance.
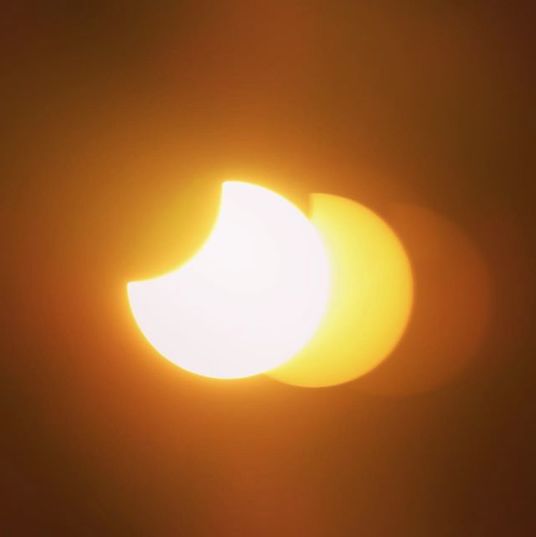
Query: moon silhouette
(251, 297)
(370, 302)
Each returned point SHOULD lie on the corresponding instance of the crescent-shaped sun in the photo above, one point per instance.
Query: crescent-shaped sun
(251, 297)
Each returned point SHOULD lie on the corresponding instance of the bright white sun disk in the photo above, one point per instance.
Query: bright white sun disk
(250, 299)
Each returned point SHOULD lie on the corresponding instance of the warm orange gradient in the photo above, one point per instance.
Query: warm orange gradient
(370, 302)
(249, 299)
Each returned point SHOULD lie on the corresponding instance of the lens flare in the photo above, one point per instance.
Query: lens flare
(453, 305)
(370, 302)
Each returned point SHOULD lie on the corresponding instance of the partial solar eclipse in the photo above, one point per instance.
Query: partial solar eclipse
(249, 300)
(311, 302)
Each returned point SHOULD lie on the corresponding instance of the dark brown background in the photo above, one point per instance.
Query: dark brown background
(119, 121)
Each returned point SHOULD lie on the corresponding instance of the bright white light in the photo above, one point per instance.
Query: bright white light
(250, 299)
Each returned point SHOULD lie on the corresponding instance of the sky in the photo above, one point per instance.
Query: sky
(119, 122)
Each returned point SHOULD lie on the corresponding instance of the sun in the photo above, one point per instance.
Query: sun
(249, 300)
